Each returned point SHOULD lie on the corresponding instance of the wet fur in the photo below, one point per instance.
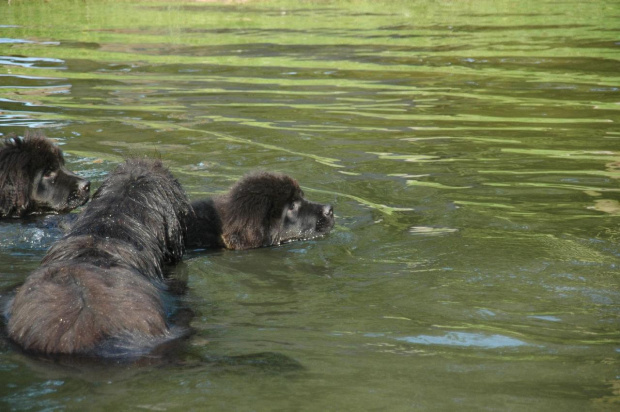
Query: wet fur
(34, 180)
(261, 209)
(101, 290)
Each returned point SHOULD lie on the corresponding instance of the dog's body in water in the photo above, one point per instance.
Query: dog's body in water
(100, 290)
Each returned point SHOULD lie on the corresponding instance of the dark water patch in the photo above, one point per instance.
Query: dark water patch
(536, 27)
(478, 29)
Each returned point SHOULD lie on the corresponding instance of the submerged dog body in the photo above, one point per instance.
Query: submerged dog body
(34, 179)
(261, 209)
(100, 290)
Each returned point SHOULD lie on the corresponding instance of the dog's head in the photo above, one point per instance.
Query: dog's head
(34, 179)
(264, 209)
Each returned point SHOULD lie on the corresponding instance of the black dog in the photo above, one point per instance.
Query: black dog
(34, 180)
(100, 290)
(261, 209)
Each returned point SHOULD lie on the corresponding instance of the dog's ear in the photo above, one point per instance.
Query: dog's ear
(15, 185)
(246, 219)
(252, 211)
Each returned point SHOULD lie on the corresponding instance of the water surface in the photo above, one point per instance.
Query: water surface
(471, 151)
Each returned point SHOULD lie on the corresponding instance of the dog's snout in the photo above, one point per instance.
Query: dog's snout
(328, 210)
(84, 186)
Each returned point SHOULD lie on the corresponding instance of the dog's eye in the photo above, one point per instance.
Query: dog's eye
(294, 207)
(50, 174)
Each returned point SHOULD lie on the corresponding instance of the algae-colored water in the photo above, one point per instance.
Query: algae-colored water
(471, 150)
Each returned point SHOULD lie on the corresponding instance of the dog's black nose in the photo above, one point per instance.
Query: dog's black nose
(328, 210)
(84, 186)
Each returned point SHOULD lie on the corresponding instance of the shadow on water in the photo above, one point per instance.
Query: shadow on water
(174, 356)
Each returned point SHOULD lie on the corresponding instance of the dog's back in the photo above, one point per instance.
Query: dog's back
(100, 289)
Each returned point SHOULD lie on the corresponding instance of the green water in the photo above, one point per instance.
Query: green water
(471, 150)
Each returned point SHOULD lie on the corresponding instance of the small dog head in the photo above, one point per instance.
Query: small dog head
(265, 209)
(34, 179)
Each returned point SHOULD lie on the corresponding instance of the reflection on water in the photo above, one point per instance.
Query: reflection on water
(470, 150)
(465, 339)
